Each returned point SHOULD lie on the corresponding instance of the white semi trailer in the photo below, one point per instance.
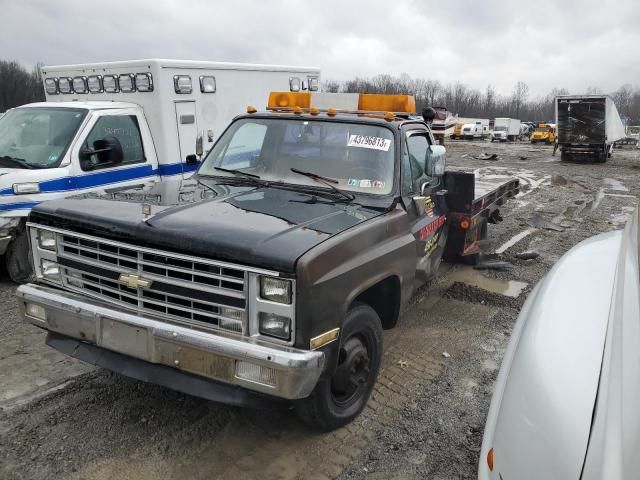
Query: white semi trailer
(587, 126)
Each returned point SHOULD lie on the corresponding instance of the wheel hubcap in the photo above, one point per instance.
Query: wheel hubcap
(352, 374)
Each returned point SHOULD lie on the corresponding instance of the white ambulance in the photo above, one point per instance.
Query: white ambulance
(111, 126)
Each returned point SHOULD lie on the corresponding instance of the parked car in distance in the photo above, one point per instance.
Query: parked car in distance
(565, 403)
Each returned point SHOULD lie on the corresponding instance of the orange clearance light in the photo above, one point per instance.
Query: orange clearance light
(251, 109)
(389, 116)
(331, 112)
(386, 103)
(490, 459)
(289, 100)
(464, 223)
(314, 111)
(297, 110)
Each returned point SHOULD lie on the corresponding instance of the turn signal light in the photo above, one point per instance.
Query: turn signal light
(366, 102)
(464, 224)
(386, 103)
(289, 100)
(490, 459)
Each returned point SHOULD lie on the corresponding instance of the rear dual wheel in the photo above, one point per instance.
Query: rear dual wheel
(337, 400)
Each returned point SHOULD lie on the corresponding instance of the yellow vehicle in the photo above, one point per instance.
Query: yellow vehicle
(544, 132)
(457, 130)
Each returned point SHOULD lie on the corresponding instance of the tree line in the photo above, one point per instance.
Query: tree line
(19, 85)
(465, 101)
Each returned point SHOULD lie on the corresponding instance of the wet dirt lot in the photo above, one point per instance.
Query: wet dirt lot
(61, 419)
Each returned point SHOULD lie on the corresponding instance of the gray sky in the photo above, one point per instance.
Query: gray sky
(570, 44)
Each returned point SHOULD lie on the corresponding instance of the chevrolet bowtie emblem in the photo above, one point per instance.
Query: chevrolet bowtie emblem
(134, 281)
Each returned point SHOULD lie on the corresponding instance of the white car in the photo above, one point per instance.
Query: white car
(566, 403)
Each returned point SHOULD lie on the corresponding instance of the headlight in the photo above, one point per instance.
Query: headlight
(127, 83)
(144, 82)
(275, 325)
(182, 84)
(110, 83)
(51, 86)
(24, 188)
(64, 85)
(207, 84)
(80, 84)
(50, 270)
(47, 240)
(94, 83)
(275, 289)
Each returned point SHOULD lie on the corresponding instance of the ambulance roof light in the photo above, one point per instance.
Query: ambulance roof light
(398, 104)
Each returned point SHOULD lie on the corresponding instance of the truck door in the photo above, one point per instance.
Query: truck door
(419, 193)
(135, 166)
(187, 132)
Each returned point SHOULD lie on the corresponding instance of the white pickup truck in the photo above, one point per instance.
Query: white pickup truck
(111, 126)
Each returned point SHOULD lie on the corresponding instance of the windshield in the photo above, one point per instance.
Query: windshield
(500, 129)
(542, 129)
(358, 157)
(37, 137)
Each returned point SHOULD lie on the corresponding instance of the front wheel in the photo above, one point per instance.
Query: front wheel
(18, 258)
(337, 400)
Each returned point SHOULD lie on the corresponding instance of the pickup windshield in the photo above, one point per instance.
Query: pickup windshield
(37, 137)
(355, 157)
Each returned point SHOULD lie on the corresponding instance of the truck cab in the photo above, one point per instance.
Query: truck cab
(271, 275)
(111, 126)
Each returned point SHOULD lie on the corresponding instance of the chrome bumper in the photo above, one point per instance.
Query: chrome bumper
(294, 373)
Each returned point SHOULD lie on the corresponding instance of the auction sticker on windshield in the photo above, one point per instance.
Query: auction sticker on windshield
(365, 141)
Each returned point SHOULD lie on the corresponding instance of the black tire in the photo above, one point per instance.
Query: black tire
(18, 258)
(332, 404)
(565, 157)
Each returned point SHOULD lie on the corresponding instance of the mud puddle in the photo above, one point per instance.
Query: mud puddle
(474, 278)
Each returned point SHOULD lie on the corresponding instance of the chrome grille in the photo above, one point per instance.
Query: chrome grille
(196, 292)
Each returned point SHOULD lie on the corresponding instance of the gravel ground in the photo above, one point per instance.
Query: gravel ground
(61, 419)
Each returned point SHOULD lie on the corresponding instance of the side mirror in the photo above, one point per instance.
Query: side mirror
(107, 150)
(436, 160)
(199, 147)
(428, 114)
(191, 159)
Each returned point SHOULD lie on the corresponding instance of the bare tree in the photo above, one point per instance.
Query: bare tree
(623, 98)
(18, 86)
(520, 96)
(331, 86)
(432, 90)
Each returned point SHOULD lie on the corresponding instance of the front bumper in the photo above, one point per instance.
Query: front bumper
(294, 373)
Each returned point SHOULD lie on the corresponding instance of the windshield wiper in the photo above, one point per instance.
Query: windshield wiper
(237, 172)
(17, 161)
(329, 182)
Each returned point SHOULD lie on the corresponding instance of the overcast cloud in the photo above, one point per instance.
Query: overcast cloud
(546, 44)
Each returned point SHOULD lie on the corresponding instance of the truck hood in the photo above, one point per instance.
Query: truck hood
(262, 227)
